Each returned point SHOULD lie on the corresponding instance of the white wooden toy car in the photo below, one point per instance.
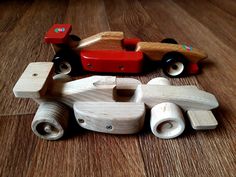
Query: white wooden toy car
(112, 105)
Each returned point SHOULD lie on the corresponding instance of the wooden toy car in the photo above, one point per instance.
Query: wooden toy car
(111, 52)
(112, 105)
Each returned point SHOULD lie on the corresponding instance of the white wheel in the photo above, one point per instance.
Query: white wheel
(65, 67)
(159, 81)
(62, 78)
(50, 120)
(174, 65)
(167, 120)
(175, 69)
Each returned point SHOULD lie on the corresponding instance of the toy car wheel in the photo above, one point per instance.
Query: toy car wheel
(75, 38)
(174, 65)
(169, 41)
(62, 66)
(65, 63)
(62, 78)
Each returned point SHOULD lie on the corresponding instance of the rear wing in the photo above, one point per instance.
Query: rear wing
(58, 33)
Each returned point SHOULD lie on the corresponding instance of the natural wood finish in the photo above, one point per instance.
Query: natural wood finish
(103, 88)
(50, 120)
(14, 32)
(94, 88)
(86, 96)
(167, 120)
(34, 81)
(76, 155)
(208, 25)
(159, 81)
(202, 120)
(110, 40)
(107, 117)
(186, 97)
(156, 51)
(107, 40)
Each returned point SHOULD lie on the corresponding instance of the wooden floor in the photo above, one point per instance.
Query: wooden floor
(209, 25)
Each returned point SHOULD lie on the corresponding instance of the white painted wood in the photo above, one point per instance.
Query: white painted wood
(125, 89)
(62, 78)
(94, 88)
(186, 97)
(34, 81)
(202, 120)
(167, 120)
(159, 81)
(127, 83)
(103, 88)
(50, 120)
(110, 117)
(105, 109)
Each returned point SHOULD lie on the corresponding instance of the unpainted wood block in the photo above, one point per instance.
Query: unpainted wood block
(127, 83)
(109, 40)
(34, 81)
(156, 50)
(110, 117)
(202, 120)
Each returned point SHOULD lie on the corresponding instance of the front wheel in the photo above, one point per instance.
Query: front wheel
(174, 65)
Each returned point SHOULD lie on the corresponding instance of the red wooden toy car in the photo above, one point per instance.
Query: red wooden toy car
(112, 52)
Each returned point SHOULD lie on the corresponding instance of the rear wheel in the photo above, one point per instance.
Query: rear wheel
(65, 62)
(169, 41)
(174, 65)
(74, 37)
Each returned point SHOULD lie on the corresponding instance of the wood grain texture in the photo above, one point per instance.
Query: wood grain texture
(108, 40)
(82, 153)
(24, 43)
(202, 119)
(34, 81)
(110, 117)
(208, 25)
(156, 51)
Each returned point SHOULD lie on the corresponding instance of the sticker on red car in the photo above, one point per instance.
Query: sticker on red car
(188, 48)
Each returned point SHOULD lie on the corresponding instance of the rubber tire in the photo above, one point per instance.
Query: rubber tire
(75, 38)
(67, 59)
(169, 41)
(168, 63)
